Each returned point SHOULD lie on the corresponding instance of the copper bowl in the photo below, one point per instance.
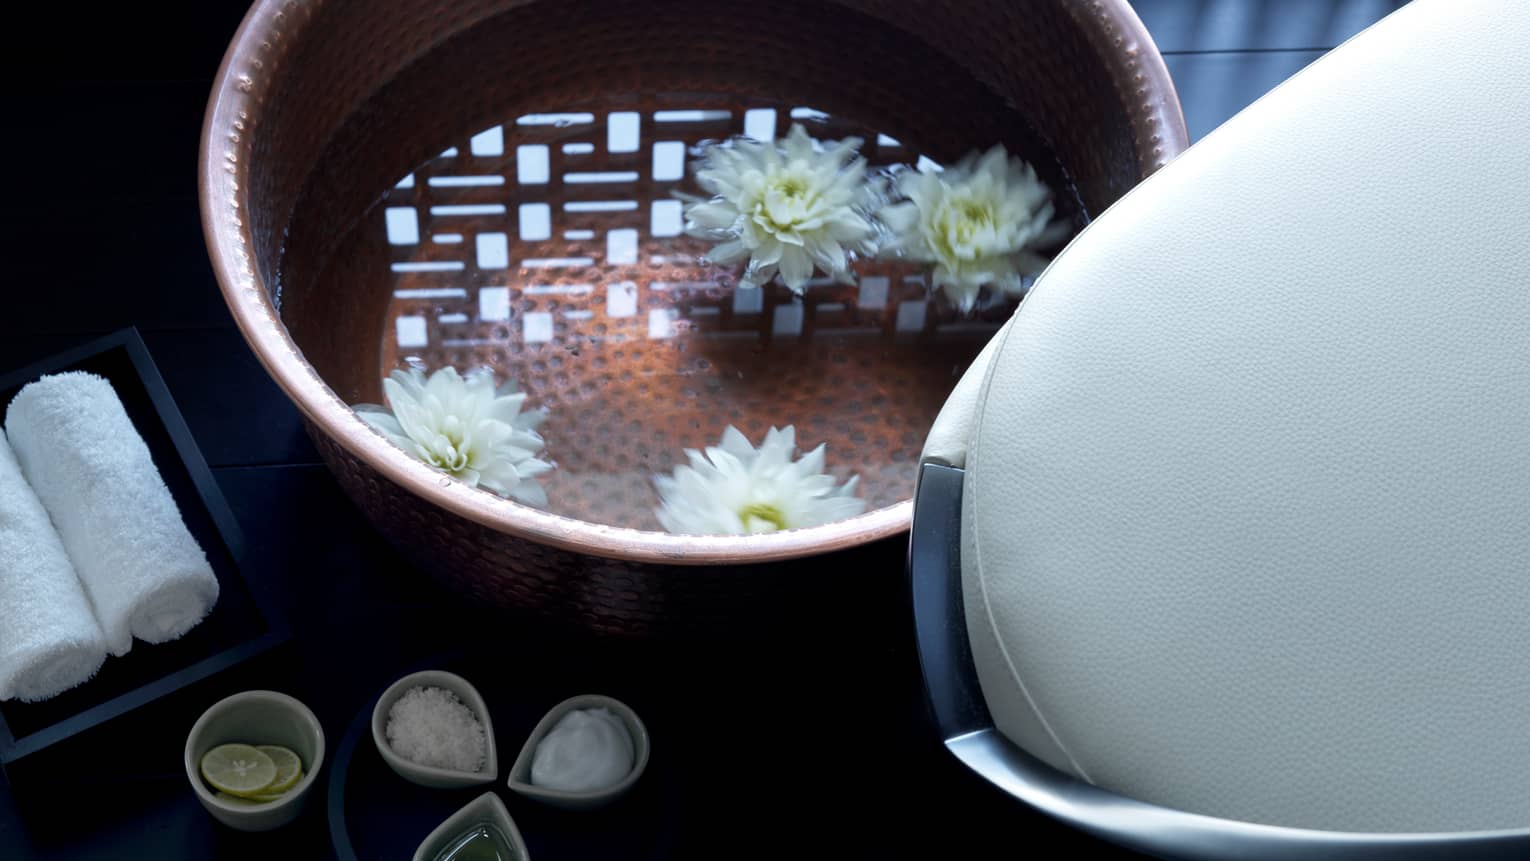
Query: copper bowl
(322, 105)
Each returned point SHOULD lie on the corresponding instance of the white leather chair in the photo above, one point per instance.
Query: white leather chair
(1243, 489)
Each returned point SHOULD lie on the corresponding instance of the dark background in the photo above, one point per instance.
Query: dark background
(809, 740)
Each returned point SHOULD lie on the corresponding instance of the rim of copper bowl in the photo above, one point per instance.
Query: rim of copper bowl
(238, 89)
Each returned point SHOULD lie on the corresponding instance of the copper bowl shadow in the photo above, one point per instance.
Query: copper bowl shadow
(327, 101)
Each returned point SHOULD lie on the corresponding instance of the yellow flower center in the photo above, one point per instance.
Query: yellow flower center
(788, 200)
(449, 450)
(964, 227)
(973, 216)
(762, 517)
(791, 186)
(975, 213)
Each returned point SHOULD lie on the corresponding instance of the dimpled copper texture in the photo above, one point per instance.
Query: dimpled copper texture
(331, 114)
(636, 346)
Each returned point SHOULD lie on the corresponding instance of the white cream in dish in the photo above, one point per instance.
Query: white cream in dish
(587, 750)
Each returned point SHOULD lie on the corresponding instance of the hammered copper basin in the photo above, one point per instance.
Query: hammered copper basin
(490, 182)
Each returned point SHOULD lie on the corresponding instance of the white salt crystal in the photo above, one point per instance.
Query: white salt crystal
(430, 726)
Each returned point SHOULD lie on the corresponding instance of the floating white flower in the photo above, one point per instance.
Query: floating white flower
(736, 489)
(980, 222)
(466, 428)
(789, 208)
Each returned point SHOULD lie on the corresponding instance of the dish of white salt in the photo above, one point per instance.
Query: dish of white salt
(430, 726)
(433, 728)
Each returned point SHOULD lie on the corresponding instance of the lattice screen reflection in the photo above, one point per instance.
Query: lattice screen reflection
(552, 217)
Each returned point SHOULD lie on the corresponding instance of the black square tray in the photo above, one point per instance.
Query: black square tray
(244, 623)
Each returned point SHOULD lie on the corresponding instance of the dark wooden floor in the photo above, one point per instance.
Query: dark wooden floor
(99, 229)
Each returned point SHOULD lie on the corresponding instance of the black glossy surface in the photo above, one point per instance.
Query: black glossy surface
(812, 742)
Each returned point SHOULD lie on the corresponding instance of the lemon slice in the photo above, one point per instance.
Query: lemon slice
(263, 798)
(268, 796)
(241, 801)
(289, 768)
(238, 769)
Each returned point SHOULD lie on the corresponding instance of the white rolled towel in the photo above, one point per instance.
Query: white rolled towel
(142, 569)
(49, 638)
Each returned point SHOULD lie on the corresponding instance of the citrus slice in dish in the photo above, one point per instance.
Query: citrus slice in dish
(238, 769)
(289, 768)
(241, 801)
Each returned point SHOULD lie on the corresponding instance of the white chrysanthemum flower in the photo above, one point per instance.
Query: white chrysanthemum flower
(789, 208)
(466, 428)
(980, 222)
(736, 489)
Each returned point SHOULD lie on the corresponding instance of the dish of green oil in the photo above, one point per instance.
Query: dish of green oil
(479, 843)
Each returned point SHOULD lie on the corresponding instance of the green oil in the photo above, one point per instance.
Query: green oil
(479, 843)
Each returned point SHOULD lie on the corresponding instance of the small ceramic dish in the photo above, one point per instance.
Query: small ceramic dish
(425, 775)
(256, 717)
(520, 773)
(486, 809)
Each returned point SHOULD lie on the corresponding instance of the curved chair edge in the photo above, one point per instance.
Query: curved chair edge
(962, 718)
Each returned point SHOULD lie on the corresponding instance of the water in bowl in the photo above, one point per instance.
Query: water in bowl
(482, 842)
(548, 246)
